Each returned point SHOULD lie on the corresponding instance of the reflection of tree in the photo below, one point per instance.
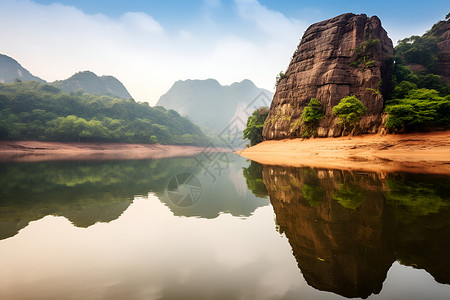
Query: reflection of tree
(417, 195)
(84, 192)
(87, 192)
(313, 194)
(253, 176)
(349, 195)
(345, 228)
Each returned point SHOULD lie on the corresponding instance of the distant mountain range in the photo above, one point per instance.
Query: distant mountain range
(87, 82)
(10, 70)
(90, 83)
(216, 108)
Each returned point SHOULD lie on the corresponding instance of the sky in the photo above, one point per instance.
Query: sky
(148, 45)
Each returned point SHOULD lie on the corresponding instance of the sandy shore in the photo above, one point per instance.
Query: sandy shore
(418, 152)
(42, 151)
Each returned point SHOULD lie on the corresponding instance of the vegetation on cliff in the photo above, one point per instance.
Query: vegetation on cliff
(349, 110)
(35, 111)
(420, 99)
(255, 124)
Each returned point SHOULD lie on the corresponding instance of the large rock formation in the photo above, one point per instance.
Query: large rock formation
(346, 55)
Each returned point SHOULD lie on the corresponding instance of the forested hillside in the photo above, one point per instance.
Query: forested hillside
(421, 96)
(90, 83)
(36, 111)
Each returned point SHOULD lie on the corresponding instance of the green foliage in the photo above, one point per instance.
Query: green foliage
(253, 177)
(374, 91)
(416, 197)
(421, 109)
(422, 53)
(313, 112)
(280, 76)
(349, 110)
(402, 89)
(364, 53)
(314, 194)
(349, 195)
(255, 124)
(311, 116)
(31, 110)
(419, 50)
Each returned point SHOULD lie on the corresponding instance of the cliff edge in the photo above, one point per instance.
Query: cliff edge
(346, 55)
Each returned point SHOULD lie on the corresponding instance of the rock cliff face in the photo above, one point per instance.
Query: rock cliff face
(343, 56)
(443, 68)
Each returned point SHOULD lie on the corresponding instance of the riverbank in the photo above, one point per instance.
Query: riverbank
(415, 152)
(43, 151)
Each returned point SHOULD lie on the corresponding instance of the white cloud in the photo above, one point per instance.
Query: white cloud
(140, 21)
(273, 23)
(55, 41)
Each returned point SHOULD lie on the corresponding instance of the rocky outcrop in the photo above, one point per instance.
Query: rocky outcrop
(346, 55)
(443, 34)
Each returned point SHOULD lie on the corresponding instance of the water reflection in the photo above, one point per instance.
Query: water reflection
(87, 192)
(347, 228)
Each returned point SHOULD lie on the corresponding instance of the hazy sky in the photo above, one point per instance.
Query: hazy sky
(148, 45)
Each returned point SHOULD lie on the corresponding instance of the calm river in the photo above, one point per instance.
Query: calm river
(220, 227)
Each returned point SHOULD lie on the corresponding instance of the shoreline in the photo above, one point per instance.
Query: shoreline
(31, 151)
(411, 152)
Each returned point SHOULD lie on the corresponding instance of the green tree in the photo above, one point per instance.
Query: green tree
(420, 109)
(255, 124)
(349, 110)
(311, 116)
(280, 76)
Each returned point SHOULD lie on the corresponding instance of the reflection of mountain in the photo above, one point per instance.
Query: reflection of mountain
(347, 228)
(83, 192)
(100, 191)
(223, 193)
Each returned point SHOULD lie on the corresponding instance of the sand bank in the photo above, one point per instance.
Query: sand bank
(416, 152)
(42, 151)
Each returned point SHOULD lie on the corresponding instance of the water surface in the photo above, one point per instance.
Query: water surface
(184, 228)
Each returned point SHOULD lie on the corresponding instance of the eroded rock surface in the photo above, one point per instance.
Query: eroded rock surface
(346, 55)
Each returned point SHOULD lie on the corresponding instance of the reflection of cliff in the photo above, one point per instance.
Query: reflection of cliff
(346, 228)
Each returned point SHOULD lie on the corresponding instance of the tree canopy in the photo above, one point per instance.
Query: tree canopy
(420, 100)
(349, 110)
(255, 124)
(31, 110)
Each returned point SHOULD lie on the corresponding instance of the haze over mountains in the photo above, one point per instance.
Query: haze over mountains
(90, 83)
(10, 70)
(87, 82)
(215, 107)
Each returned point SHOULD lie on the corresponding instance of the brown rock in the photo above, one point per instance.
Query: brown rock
(443, 67)
(346, 55)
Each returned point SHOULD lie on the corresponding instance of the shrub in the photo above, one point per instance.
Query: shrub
(349, 110)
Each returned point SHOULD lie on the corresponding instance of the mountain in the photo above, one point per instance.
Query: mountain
(86, 81)
(31, 110)
(214, 107)
(10, 70)
(343, 56)
(90, 83)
